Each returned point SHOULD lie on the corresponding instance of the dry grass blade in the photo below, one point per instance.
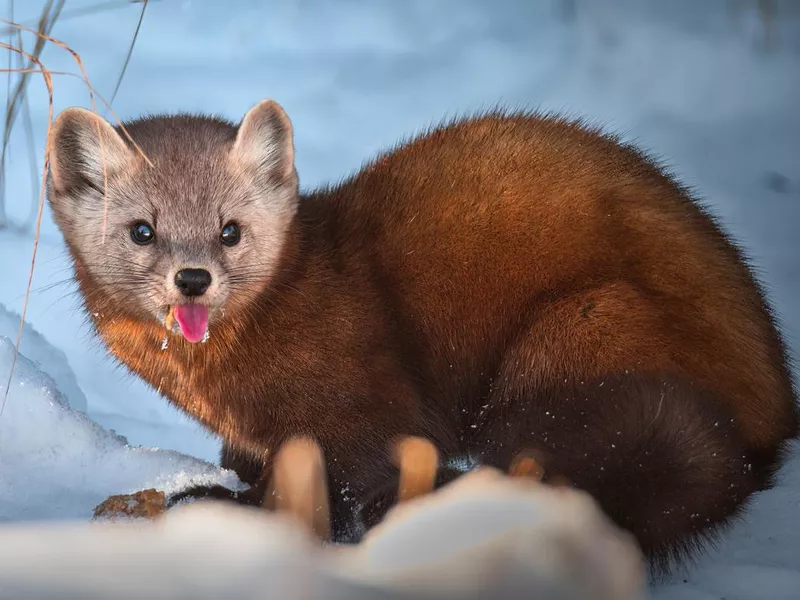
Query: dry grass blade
(130, 52)
(17, 96)
(27, 121)
(3, 217)
(92, 98)
(47, 76)
(49, 85)
(93, 94)
(77, 12)
(91, 90)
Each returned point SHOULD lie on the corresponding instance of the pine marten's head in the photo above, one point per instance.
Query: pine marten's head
(188, 222)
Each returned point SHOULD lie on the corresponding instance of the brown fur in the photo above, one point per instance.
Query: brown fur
(500, 284)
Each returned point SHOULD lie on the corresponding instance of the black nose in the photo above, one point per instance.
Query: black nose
(193, 282)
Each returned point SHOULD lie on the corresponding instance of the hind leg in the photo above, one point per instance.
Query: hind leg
(661, 458)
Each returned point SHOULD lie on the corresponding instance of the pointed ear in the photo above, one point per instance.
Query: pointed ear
(264, 142)
(85, 149)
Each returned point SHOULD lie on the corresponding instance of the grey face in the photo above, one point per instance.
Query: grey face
(200, 221)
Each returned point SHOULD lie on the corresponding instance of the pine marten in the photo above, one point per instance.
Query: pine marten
(501, 284)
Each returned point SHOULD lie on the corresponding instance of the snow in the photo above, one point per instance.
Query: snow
(56, 463)
(44, 355)
(113, 398)
(691, 81)
(550, 543)
(486, 536)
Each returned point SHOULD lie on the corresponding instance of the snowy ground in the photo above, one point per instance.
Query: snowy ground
(56, 463)
(689, 80)
(486, 536)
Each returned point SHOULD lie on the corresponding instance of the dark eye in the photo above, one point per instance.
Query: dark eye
(230, 234)
(142, 233)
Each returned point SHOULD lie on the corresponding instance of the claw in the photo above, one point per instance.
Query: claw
(298, 486)
(526, 465)
(418, 461)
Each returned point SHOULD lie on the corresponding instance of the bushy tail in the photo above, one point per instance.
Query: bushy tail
(663, 458)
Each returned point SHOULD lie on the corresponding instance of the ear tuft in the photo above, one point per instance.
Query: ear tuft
(264, 142)
(85, 149)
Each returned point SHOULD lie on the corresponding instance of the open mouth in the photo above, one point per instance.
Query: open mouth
(190, 320)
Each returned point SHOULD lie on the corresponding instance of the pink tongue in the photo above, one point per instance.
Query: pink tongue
(193, 321)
